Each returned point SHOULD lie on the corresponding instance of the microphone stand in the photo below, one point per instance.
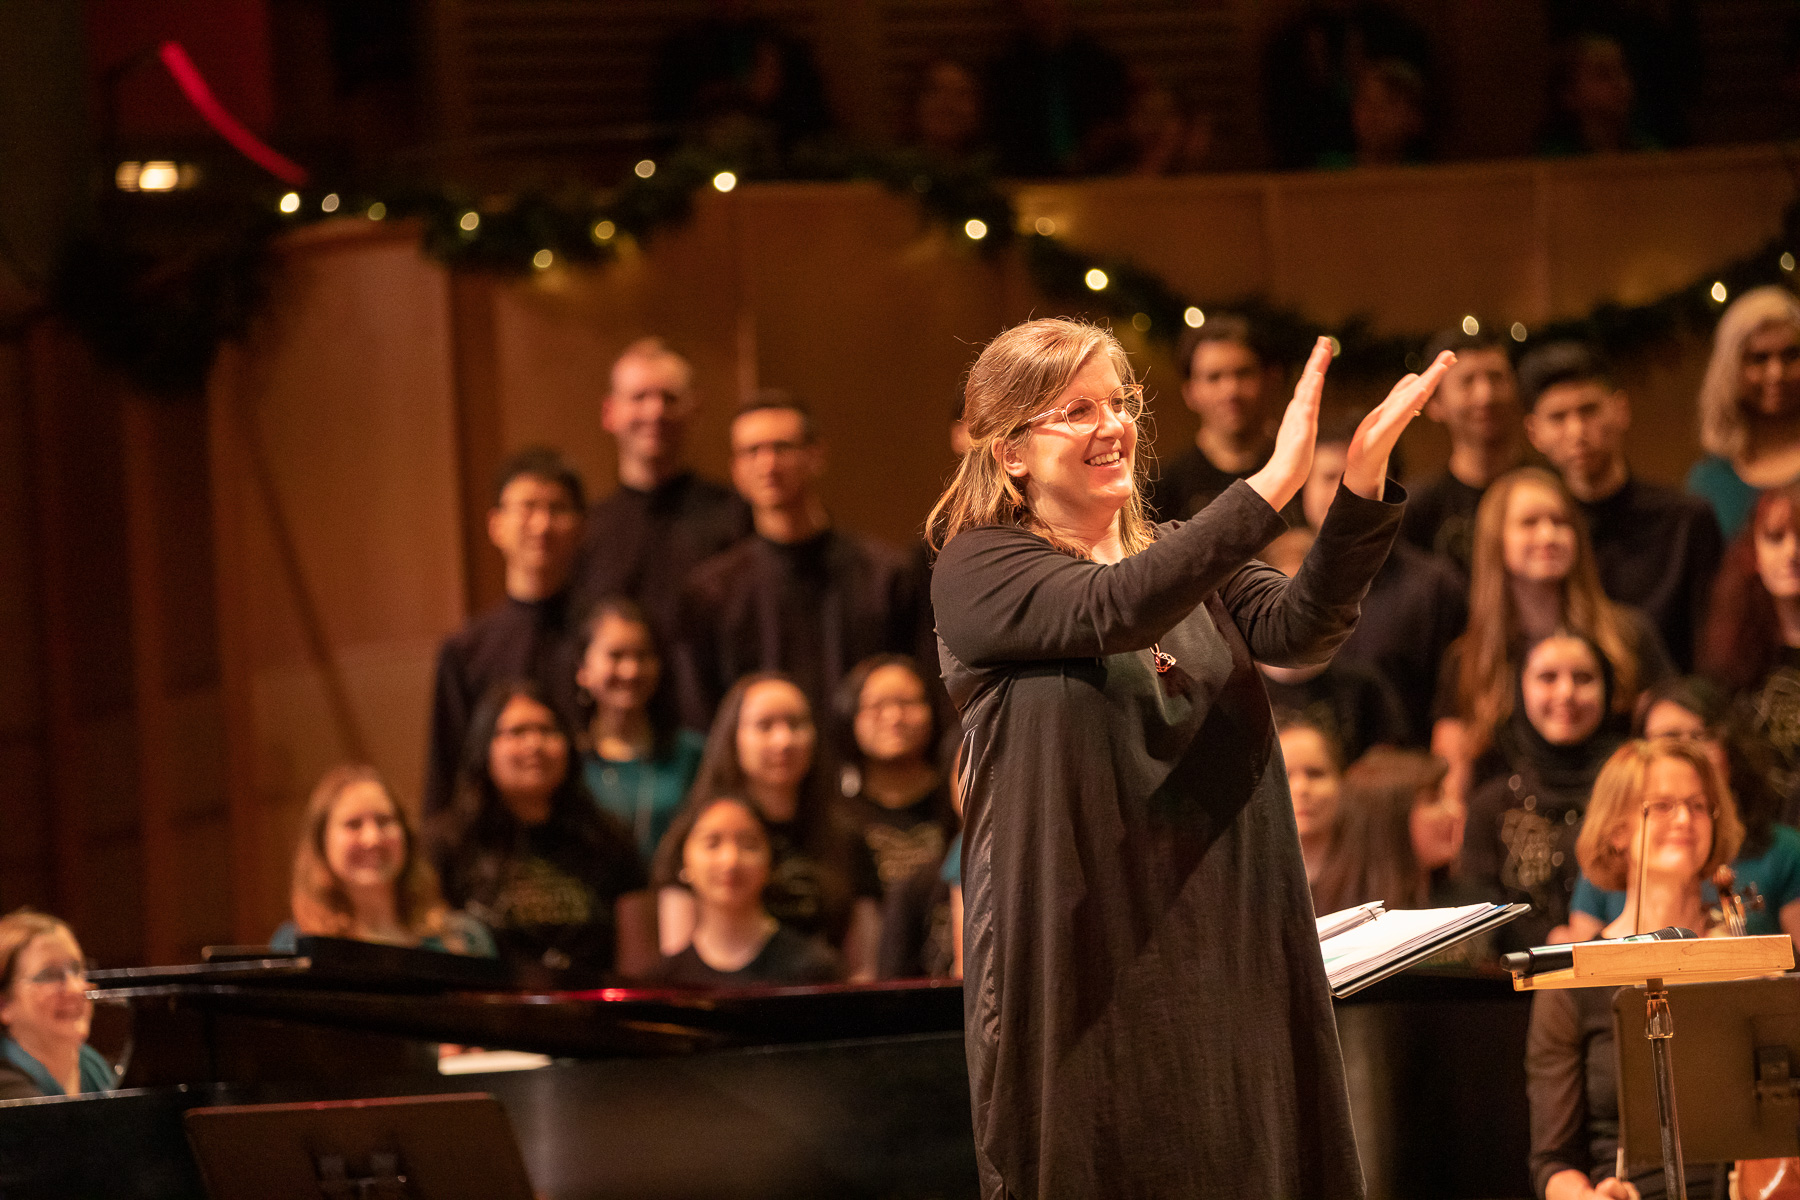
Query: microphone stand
(1659, 1028)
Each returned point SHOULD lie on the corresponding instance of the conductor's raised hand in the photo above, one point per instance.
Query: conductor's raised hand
(1282, 477)
(1366, 462)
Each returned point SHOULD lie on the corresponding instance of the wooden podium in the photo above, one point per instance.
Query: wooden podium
(1655, 965)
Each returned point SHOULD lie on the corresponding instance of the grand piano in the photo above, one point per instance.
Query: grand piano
(840, 1091)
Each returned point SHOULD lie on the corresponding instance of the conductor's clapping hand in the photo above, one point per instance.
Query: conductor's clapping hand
(1365, 467)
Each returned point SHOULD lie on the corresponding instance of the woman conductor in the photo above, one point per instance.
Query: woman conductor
(1147, 1010)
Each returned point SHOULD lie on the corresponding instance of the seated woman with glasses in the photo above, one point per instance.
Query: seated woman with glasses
(524, 847)
(46, 1012)
(894, 794)
(1660, 822)
(360, 873)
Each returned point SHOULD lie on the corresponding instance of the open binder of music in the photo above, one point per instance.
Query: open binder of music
(1366, 944)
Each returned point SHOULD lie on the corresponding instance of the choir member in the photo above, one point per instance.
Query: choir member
(894, 794)
(1656, 548)
(665, 518)
(764, 747)
(726, 864)
(1532, 786)
(360, 872)
(1534, 575)
(1691, 709)
(1398, 837)
(639, 760)
(1315, 775)
(535, 523)
(1478, 406)
(1750, 405)
(1232, 384)
(1661, 821)
(45, 1012)
(1416, 607)
(525, 848)
(1136, 898)
(1751, 645)
(798, 596)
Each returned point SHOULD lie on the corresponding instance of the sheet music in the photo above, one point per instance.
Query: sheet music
(1371, 945)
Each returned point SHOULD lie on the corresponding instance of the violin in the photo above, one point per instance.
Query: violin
(1755, 1178)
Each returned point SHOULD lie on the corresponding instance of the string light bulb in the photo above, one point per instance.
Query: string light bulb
(1471, 326)
(1193, 317)
(329, 203)
(724, 181)
(469, 222)
(1718, 291)
(1045, 226)
(1787, 260)
(645, 168)
(1096, 279)
(1518, 331)
(290, 203)
(603, 231)
(976, 228)
(542, 260)
(1141, 322)
(376, 211)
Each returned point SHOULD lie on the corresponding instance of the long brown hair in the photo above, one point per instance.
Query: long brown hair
(1372, 857)
(1741, 641)
(1605, 854)
(1486, 674)
(321, 906)
(1014, 378)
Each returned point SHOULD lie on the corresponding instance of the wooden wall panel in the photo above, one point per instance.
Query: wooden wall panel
(341, 561)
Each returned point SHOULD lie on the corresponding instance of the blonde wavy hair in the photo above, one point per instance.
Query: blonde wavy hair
(1722, 429)
(1486, 673)
(1604, 845)
(322, 907)
(1016, 376)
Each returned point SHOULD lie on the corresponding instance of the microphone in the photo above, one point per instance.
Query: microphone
(1554, 958)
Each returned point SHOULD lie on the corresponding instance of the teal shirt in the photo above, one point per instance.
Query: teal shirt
(644, 794)
(96, 1073)
(1775, 872)
(467, 929)
(1716, 481)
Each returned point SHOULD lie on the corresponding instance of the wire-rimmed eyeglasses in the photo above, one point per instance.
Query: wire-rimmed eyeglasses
(1082, 414)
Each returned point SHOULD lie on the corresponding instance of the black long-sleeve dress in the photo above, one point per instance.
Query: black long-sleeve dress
(1147, 1009)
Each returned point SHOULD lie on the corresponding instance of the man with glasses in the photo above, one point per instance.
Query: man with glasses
(797, 596)
(535, 523)
(664, 518)
(1227, 382)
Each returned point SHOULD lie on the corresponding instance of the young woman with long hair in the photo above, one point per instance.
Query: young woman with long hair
(764, 748)
(638, 761)
(1398, 834)
(1533, 574)
(524, 848)
(1134, 885)
(1315, 775)
(726, 865)
(1660, 822)
(360, 872)
(1750, 405)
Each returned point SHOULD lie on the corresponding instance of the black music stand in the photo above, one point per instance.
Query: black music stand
(456, 1147)
(1738, 1066)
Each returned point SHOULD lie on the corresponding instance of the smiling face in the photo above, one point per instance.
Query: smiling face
(1478, 398)
(726, 857)
(893, 716)
(1678, 840)
(1538, 536)
(775, 741)
(365, 844)
(773, 465)
(1225, 388)
(648, 408)
(1076, 481)
(1313, 780)
(1770, 382)
(536, 526)
(1564, 690)
(1778, 551)
(47, 1003)
(620, 669)
(527, 758)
